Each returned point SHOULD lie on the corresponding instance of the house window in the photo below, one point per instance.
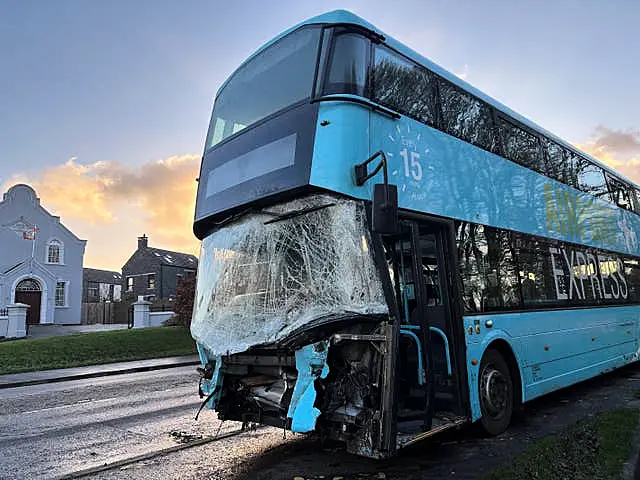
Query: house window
(55, 251)
(61, 294)
(151, 281)
(92, 292)
(129, 284)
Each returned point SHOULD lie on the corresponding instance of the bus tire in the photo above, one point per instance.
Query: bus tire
(495, 392)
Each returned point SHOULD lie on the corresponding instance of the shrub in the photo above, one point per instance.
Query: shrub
(185, 296)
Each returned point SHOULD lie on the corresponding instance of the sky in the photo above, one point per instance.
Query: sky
(104, 106)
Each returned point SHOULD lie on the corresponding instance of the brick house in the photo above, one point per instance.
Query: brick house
(154, 273)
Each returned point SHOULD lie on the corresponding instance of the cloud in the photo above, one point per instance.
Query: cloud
(618, 141)
(465, 72)
(616, 148)
(118, 202)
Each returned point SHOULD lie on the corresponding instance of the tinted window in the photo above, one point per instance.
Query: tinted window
(278, 77)
(471, 251)
(619, 193)
(573, 163)
(487, 268)
(591, 179)
(348, 65)
(521, 146)
(632, 273)
(537, 283)
(558, 165)
(404, 86)
(574, 275)
(466, 117)
(503, 270)
(501, 273)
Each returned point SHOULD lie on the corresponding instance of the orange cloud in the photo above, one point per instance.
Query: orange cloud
(616, 148)
(73, 189)
(110, 204)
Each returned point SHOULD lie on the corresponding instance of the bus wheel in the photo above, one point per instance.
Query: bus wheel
(495, 388)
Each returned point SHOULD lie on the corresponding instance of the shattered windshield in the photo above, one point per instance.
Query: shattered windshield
(270, 273)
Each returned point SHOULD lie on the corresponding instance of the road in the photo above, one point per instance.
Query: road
(49, 431)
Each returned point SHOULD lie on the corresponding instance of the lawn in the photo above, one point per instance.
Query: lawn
(593, 449)
(94, 349)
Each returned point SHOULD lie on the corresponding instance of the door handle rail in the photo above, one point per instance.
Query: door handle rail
(409, 333)
(444, 339)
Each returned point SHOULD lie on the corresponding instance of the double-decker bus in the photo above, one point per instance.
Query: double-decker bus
(388, 252)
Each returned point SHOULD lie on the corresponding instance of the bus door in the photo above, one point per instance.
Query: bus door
(429, 394)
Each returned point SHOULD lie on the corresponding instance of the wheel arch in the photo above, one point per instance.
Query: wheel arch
(506, 350)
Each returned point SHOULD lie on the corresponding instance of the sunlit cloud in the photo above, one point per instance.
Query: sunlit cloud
(618, 141)
(110, 203)
(617, 148)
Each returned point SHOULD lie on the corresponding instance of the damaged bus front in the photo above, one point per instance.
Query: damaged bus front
(292, 324)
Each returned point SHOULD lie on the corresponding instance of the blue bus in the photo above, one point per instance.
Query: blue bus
(388, 252)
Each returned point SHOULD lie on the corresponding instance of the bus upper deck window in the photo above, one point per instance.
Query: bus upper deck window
(591, 179)
(402, 85)
(619, 193)
(348, 65)
(521, 146)
(558, 167)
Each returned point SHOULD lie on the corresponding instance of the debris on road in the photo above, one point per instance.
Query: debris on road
(184, 437)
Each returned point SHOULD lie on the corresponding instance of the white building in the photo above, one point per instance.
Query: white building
(44, 272)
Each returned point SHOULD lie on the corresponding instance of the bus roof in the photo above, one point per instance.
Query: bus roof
(344, 16)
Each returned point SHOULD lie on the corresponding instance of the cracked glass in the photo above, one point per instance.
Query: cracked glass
(272, 272)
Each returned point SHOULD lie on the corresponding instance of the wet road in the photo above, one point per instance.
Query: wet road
(48, 431)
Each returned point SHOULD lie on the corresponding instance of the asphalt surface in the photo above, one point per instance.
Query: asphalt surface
(47, 431)
(54, 429)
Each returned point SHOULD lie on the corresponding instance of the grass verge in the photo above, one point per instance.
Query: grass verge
(593, 449)
(94, 349)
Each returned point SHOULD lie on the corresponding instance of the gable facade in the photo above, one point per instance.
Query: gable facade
(155, 273)
(40, 260)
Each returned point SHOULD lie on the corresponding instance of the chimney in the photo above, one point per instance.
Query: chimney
(143, 242)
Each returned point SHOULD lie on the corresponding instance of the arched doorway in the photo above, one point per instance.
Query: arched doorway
(29, 292)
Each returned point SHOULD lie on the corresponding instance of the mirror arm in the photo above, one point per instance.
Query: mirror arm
(385, 197)
(361, 169)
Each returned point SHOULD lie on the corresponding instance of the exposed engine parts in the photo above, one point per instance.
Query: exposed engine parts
(351, 390)
(329, 386)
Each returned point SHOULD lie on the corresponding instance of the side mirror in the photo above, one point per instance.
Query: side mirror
(385, 197)
(384, 218)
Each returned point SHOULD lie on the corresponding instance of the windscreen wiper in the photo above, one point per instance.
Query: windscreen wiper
(294, 213)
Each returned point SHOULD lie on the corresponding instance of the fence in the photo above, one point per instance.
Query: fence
(143, 314)
(161, 307)
(105, 313)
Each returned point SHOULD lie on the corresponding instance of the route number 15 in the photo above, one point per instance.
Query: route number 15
(412, 166)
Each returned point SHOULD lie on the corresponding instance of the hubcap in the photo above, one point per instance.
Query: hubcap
(494, 391)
